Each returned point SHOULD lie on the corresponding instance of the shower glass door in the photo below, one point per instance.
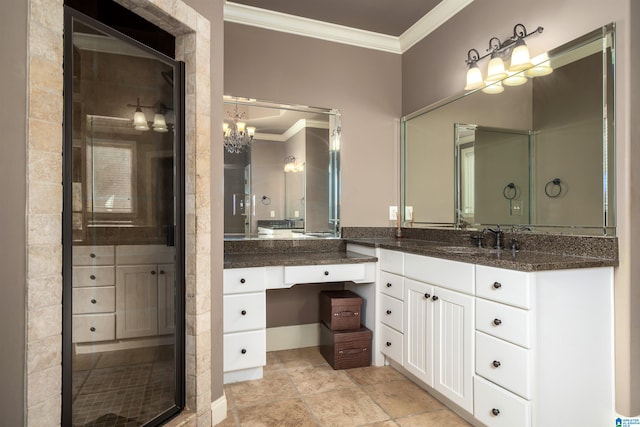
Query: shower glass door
(123, 257)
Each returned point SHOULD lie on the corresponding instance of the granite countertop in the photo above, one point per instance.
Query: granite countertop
(505, 258)
(264, 259)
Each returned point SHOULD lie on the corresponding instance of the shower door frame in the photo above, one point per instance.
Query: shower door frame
(70, 15)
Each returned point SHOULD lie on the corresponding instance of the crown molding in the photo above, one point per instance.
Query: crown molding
(277, 21)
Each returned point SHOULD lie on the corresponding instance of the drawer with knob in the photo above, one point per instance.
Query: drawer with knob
(93, 276)
(506, 286)
(93, 327)
(244, 350)
(496, 407)
(241, 280)
(244, 312)
(504, 321)
(391, 343)
(391, 284)
(391, 312)
(325, 273)
(94, 300)
(505, 364)
(93, 255)
(392, 261)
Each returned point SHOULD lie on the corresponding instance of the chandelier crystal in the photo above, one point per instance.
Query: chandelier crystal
(237, 135)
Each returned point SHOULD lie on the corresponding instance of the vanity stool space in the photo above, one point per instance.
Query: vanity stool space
(506, 347)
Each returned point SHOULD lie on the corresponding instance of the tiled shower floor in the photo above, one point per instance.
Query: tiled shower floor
(299, 388)
(122, 388)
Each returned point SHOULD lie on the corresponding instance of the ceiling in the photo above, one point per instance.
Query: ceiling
(387, 25)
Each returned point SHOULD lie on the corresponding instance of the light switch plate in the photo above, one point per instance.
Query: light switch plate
(408, 213)
(393, 213)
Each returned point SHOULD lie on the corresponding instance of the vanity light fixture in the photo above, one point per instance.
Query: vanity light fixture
(159, 121)
(291, 164)
(237, 135)
(516, 50)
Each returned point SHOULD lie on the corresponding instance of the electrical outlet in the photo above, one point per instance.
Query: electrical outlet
(408, 213)
(273, 214)
(393, 213)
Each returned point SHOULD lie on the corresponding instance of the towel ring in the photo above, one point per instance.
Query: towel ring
(266, 200)
(510, 191)
(553, 188)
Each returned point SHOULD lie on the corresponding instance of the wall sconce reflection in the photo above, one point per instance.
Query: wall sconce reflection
(159, 123)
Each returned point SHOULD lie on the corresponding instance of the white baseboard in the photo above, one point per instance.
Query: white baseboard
(296, 336)
(243, 375)
(219, 410)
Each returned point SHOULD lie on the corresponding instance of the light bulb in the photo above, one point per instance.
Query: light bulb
(251, 131)
(474, 77)
(495, 69)
(139, 120)
(515, 79)
(240, 126)
(542, 67)
(520, 59)
(494, 88)
(159, 123)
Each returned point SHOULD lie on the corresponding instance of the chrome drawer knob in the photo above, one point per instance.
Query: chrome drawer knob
(497, 285)
(495, 411)
(243, 351)
(242, 281)
(497, 322)
(326, 273)
(495, 364)
(388, 311)
(243, 312)
(388, 343)
(389, 285)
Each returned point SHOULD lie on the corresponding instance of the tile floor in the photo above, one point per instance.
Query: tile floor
(299, 388)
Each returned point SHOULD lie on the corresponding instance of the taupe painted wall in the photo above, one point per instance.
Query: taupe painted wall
(364, 84)
(13, 49)
(562, 22)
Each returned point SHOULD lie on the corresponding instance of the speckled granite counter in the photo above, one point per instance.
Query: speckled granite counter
(505, 258)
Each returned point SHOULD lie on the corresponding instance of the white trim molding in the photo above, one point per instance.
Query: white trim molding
(219, 410)
(277, 21)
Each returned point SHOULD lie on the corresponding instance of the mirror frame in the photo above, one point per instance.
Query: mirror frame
(608, 226)
(335, 131)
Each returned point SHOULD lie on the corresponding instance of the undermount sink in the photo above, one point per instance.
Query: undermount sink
(469, 250)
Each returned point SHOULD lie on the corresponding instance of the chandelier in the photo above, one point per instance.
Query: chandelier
(237, 135)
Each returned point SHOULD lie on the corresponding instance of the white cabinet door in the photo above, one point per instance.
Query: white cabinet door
(166, 299)
(418, 330)
(453, 346)
(136, 301)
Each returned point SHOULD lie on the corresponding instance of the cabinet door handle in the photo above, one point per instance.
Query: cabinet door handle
(435, 298)
(326, 273)
(92, 329)
(243, 312)
(388, 311)
(92, 277)
(388, 343)
(242, 281)
(243, 351)
(497, 285)
(495, 411)
(389, 285)
(153, 272)
(427, 296)
(497, 322)
(495, 364)
(93, 301)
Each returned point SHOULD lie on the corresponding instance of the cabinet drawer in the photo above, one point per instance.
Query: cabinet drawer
(144, 254)
(94, 300)
(244, 350)
(93, 276)
(504, 321)
(454, 275)
(325, 273)
(391, 312)
(507, 286)
(93, 255)
(94, 327)
(239, 280)
(244, 312)
(496, 407)
(391, 284)
(504, 363)
(392, 261)
(391, 343)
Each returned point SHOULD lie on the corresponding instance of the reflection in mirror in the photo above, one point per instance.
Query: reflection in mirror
(281, 176)
(539, 156)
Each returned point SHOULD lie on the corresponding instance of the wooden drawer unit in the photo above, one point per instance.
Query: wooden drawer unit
(506, 286)
(391, 312)
(346, 349)
(94, 327)
(340, 310)
(242, 280)
(93, 255)
(392, 261)
(391, 284)
(93, 276)
(244, 312)
(505, 364)
(504, 321)
(94, 300)
(454, 275)
(325, 273)
(391, 343)
(496, 407)
(244, 350)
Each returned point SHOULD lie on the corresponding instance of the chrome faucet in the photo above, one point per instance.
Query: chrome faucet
(498, 232)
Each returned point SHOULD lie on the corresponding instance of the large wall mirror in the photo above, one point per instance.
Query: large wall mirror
(538, 156)
(281, 170)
